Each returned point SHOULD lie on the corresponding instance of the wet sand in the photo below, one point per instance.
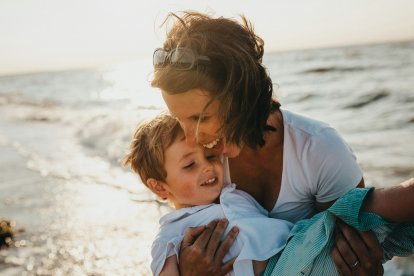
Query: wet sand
(72, 228)
(69, 223)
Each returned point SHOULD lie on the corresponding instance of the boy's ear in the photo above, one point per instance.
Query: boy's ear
(157, 187)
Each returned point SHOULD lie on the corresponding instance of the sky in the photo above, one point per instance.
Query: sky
(44, 35)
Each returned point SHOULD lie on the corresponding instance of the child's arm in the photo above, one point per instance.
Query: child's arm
(259, 267)
(395, 204)
(170, 267)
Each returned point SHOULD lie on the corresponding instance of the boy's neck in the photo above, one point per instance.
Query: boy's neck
(179, 206)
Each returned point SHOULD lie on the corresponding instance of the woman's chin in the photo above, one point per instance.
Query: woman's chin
(215, 150)
(229, 150)
(231, 154)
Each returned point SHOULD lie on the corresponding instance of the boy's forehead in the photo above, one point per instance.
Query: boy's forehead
(180, 137)
(185, 149)
(179, 150)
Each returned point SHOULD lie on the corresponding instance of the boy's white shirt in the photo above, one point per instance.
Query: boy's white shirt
(259, 236)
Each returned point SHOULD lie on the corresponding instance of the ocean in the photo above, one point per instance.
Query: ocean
(76, 211)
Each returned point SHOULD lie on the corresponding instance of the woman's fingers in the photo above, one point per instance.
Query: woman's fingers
(226, 244)
(191, 256)
(345, 270)
(350, 245)
(228, 266)
(356, 252)
(374, 248)
(341, 265)
(202, 241)
(202, 253)
(380, 270)
(191, 235)
(214, 241)
(371, 263)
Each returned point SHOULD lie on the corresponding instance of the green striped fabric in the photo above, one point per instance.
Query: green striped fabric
(307, 251)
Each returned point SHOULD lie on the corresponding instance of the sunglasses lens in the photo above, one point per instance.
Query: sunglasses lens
(159, 57)
(182, 58)
(178, 58)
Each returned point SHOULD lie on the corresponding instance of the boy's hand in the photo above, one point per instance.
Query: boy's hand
(202, 252)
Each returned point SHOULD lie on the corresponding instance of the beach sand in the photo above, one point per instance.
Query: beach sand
(68, 223)
(72, 228)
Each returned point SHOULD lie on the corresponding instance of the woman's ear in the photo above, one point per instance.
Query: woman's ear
(157, 187)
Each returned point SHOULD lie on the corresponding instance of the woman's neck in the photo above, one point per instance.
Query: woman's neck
(259, 171)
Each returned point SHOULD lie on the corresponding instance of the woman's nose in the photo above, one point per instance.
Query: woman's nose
(189, 132)
(190, 140)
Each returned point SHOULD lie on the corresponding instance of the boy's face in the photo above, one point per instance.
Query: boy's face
(194, 177)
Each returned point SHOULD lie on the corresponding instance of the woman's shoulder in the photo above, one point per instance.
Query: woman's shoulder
(309, 133)
(313, 141)
(304, 124)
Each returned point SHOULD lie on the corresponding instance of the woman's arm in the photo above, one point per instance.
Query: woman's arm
(170, 267)
(394, 204)
(202, 252)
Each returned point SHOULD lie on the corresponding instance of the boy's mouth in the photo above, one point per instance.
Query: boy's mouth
(210, 181)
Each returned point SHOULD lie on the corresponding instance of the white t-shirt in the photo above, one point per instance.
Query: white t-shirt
(318, 166)
(259, 238)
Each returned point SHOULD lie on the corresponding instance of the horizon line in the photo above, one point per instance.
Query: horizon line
(111, 64)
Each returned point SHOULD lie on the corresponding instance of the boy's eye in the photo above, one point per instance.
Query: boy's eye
(189, 165)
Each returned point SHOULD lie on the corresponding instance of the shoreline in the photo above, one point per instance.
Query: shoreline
(70, 226)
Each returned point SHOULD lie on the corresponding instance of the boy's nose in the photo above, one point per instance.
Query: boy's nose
(207, 166)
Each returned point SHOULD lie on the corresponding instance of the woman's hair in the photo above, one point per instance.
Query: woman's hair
(235, 75)
(146, 154)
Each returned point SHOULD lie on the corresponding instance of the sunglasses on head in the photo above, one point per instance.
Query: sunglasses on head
(179, 58)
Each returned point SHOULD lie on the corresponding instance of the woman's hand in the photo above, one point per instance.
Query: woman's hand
(202, 252)
(356, 252)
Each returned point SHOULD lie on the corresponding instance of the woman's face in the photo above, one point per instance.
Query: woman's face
(198, 117)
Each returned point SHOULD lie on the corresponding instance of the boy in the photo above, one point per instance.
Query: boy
(192, 180)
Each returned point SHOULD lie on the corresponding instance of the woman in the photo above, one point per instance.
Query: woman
(213, 81)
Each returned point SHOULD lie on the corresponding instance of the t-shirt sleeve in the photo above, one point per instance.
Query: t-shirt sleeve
(332, 165)
(162, 249)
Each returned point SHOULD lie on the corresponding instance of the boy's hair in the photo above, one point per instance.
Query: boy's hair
(146, 154)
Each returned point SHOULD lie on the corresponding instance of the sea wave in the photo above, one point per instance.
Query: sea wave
(367, 99)
(108, 134)
(18, 99)
(319, 70)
